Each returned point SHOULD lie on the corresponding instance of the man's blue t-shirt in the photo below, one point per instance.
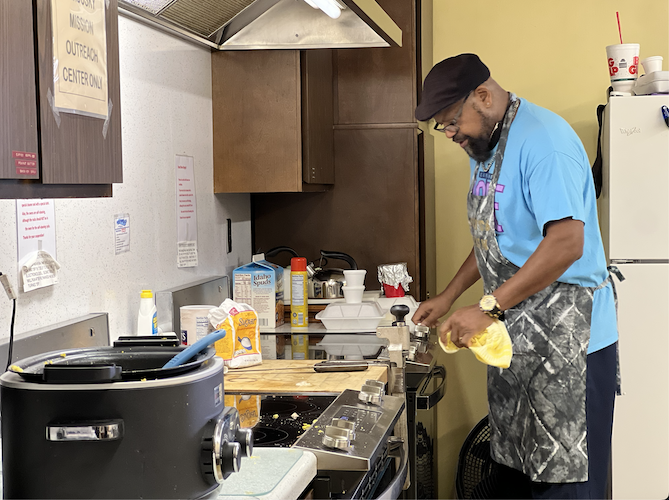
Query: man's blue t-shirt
(546, 177)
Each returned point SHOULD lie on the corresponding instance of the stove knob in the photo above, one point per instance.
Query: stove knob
(422, 332)
(245, 438)
(376, 383)
(371, 394)
(347, 425)
(336, 437)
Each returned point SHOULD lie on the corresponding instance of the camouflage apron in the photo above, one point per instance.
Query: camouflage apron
(537, 405)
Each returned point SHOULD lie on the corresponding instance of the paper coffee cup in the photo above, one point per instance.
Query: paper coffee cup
(194, 323)
(623, 61)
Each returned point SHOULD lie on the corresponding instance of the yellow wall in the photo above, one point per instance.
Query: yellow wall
(553, 54)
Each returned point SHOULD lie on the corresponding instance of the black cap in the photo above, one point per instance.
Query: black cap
(448, 82)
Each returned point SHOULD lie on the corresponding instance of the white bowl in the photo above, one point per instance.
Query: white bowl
(355, 277)
(353, 294)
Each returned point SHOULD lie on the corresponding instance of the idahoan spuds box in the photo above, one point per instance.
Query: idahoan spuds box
(260, 285)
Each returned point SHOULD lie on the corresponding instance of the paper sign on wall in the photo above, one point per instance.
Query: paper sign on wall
(80, 57)
(186, 213)
(121, 233)
(36, 231)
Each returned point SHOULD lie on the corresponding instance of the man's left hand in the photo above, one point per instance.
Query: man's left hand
(464, 324)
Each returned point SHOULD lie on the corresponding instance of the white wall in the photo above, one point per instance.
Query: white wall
(166, 109)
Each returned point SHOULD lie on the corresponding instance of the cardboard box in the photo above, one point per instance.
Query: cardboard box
(260, 285)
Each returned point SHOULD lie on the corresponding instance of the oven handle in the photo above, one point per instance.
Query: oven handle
(394, 489)
(425, 402)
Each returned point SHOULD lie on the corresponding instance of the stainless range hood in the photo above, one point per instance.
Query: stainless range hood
(269, 24)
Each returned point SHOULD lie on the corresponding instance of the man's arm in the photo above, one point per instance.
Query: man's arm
(560, 248)
(430, 311)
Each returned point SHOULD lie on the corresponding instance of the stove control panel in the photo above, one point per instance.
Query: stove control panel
(350, 434)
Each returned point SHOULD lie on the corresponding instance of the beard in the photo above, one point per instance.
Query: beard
(478, 148)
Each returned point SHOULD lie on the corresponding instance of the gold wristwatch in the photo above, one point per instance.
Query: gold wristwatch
(489, 305)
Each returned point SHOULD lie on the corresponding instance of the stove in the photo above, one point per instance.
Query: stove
(372, 424)
(354, 446)
(283, 419)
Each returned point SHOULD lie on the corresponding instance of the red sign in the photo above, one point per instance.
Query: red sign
(26, 171)
(24, 155)
(25, 167)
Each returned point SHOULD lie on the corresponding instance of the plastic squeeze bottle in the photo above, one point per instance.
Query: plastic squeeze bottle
(147, 319)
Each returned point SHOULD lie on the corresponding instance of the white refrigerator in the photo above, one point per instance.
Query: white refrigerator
(634, 217)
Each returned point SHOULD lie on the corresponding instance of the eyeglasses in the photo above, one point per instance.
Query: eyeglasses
(452, 127)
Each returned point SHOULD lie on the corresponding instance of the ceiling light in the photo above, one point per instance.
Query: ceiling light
(330, 7)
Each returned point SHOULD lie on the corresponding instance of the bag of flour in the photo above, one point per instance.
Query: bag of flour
(241, 345)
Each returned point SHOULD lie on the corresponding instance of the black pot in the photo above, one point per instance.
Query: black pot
(133, 432)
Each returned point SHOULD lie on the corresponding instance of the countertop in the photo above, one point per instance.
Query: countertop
(297, 376)
(271, 474)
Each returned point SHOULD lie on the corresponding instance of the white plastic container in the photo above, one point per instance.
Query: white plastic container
(352, 346)
(147, 319)
(354, 318)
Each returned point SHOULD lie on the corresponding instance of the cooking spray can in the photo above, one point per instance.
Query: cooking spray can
(299, 307)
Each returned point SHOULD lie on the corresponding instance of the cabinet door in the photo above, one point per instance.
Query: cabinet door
(380, 85)
(272, 119)
(257, 124)
(18, 129)
(317, 117)
(78, 149)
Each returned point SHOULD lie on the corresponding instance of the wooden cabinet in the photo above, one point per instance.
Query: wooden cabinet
(18, 102)
(379, 210)
(272, 119)
(75, 155)
(380, 86)
(372, 213)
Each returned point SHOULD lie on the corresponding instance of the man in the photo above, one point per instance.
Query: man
(532, 213)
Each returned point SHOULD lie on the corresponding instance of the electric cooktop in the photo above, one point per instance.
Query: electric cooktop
(283, 419)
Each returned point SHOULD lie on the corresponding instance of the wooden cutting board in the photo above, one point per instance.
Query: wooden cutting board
(280, 376)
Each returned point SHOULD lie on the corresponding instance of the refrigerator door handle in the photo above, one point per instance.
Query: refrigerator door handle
(427, 401)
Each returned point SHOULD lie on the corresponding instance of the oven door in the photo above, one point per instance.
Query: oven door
(422, 400)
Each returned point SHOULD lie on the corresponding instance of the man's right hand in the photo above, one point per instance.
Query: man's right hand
(429, 312)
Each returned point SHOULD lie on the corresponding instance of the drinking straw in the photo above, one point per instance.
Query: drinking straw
(620, 33)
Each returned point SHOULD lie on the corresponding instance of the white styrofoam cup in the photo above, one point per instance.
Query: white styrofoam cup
(652, 64)
(355, 277)
(353, 294)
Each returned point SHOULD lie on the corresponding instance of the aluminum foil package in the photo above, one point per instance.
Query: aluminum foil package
(395, 275)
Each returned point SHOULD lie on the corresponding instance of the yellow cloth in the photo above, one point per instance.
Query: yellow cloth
(492, 346)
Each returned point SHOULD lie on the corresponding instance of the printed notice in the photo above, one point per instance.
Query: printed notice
(36, 232)
(38, 271)
(186, 213)
(187, 254)
(80, 57)
(121, 233)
